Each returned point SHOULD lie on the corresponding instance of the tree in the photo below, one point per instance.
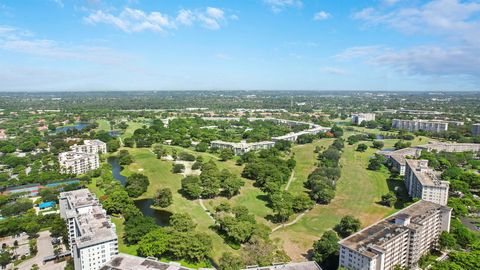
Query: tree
(229, 261)
(230, 183)
(129, 142)
(325, 249)
(191, 187)
(376, 163)
(136, 184)
(163, 197)
(32, 228)
(178, 168)
(447, 241)
(402, 144)
(154, 243)
(201, 147)
(5, 258)
(347, 226)
(378, 144)
(362, 147)
(138, 226)
(182, 222)
(302, 202)
(226, 154)
(389, 199)
(322, 193)
(113, 145)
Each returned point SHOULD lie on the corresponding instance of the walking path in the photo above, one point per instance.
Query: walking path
(290, 180)
(290, 223)
(205, 209)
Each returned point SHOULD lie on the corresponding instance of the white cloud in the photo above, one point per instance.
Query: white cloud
(321, 15)
(135, 20)
(456, 23)
(20, 41)
(279, 5)
(333, 71)
(59, 3)
(223, 56)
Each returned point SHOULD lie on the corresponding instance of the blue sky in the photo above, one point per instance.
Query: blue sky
(79, 45)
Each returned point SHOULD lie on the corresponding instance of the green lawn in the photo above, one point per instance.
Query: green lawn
(358, 193)
(103, 124)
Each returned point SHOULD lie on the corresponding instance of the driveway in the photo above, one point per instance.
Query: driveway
(45, 248)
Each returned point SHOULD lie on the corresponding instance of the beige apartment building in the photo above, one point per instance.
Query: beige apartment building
(425, 183)
(400, 239)
(78, 163)
(91, 235)
(416, 125)
(90, 147)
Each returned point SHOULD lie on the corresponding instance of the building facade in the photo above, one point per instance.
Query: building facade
(416, 125)
(242, 147)
(90, 147)
(476, 130)
(424, 183)
(77, 162)
(91, 235)
(357, 119)
(400, 239)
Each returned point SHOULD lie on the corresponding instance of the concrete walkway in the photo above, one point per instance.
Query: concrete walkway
(290, 223)
(205, 209)
(290, 180)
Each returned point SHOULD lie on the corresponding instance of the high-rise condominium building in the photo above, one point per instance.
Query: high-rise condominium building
(400, 239)
(357, 119)
(90, 147)
(91, 234)
(425, 183)
(476, 130)
(77, 162)
(416, 125)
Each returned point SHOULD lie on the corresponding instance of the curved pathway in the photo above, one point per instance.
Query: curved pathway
(205, 209)
(290, 223)
(290, 180)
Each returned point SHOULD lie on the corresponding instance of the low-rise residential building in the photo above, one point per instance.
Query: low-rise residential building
(397, 159)
(77, 162)
(416, 125)
(400, 239)
(358, 118)
(242, 147)
(91, 235)
(425, 183)
(476, 130)
(90, 147)
(451, 147)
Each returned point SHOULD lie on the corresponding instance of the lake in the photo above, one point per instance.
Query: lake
(77, 126)
(161, 217)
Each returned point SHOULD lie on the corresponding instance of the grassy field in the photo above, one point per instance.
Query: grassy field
(358, 193)
(103, 125)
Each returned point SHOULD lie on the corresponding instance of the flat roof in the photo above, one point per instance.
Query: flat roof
(129, 262)
(424, 174)
(386, 229)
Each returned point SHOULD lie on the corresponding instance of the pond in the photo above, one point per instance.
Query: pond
(77, 126)
(161, 217)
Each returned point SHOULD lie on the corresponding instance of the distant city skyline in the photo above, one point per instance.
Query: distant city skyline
(80, 45)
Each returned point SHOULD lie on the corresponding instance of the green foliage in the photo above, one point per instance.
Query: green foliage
(378, 144)
(138, 226)
(163, 198)
(325, 250)
(154, 243)
(376, 163)
(182, 222)
(178, 168)
(136, 184)
(17, 207)
(226, 154)
(447, 241)
(124, 158)
(186, 156)
(402, 144)
(229, 261)
(347, 226)
(191, 187)
(362, 147)
(389, 199)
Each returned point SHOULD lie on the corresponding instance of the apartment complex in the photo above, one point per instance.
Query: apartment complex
(91, 234)
(77, 162)
(416, 125)
(400, 239)
(357, 119)
(90, 147)
(425, 183)
(451, 147)
(82, 158)
(476, 130)
(242, 147)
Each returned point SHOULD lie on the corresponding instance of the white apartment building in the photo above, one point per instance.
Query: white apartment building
(358, 118)
(476, 130)
(451, 147)
(90, 147)
(400, 239)
(91, 234)
(78, 163)
(416, 125)
(397, 159)
(242, 147)
(424, 183)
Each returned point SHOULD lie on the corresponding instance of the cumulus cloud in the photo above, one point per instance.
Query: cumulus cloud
(456, 23)
(321, 15)
(279, 5)
(134, 20)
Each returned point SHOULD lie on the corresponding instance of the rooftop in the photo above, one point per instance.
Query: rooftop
(129, 262)
(424, 174)
(386, 229)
